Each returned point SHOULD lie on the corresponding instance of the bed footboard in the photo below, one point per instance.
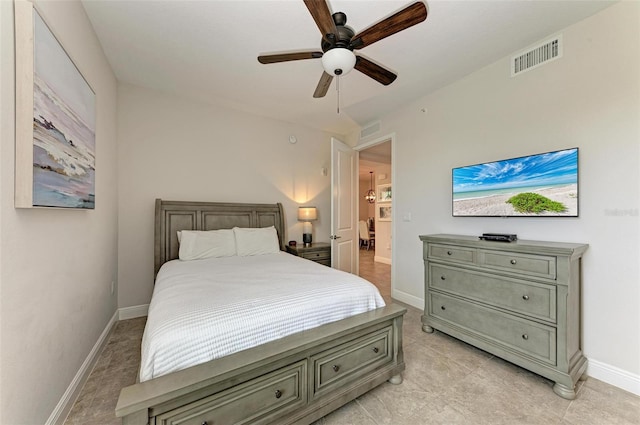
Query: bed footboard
(294, 380)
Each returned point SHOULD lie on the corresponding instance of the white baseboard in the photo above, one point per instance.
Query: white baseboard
(596, 369)
(62, 409)
(133, 312)
(408, 299)
(614, 376)
(601, 371)
(382, 260)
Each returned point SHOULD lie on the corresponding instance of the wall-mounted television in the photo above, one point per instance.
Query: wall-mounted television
(540, 185)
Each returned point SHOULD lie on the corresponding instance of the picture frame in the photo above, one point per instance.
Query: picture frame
(55, 120)
(384, 193)
(384, 213)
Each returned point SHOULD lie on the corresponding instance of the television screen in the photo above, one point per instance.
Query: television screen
(544, 185)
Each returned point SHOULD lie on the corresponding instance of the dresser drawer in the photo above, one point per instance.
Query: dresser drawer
(261, 400)
(349, 360)
(449, 253)
(527, 298)
(524, 264)
(317, 255)
(525, 337)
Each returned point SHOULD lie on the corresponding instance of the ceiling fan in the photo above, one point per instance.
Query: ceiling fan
(339, 41)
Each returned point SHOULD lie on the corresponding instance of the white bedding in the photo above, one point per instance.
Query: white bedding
(206, 309)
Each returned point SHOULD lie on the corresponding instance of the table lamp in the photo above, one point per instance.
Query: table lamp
(307, 215)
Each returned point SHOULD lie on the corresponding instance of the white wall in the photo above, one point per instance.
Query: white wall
(590, 98)
(176, 149)
(57, 265)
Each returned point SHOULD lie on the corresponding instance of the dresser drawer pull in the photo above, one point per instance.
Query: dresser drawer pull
(335, 368)
(442, 278)
(278, 393)
(525, 336)
(442, 307)
(375, 350)
(449, 253)
(205, 423)
(525, 297)
(513, 261)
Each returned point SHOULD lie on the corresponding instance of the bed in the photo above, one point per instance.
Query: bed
(297, 374)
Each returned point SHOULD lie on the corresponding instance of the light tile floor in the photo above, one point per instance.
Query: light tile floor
(446, 382)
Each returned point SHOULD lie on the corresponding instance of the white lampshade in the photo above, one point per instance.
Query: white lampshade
(338, 59)
(307, 213)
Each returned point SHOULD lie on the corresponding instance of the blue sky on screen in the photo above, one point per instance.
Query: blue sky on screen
(553, 168)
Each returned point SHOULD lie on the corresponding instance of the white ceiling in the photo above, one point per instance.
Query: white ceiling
(207, 49)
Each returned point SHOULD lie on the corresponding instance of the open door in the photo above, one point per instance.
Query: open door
(344, 180)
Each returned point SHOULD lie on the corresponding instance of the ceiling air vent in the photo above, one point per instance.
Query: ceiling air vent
(535, 56)
(369, 129)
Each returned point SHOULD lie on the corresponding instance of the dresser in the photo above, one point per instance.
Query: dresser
(517, 300)
(320, 252)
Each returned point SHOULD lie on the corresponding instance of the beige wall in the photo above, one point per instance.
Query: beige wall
(175, 149)
(365, 209)
(383, 228)
(590, 98)
(57, 265)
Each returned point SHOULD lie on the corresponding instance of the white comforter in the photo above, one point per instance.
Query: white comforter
(206, 309)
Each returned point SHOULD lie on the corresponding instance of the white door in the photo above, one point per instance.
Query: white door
(344, 179)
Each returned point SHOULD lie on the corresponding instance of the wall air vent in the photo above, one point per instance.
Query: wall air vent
(369, 129)
(535, 56)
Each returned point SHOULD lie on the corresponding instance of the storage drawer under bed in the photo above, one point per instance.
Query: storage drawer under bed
(334, 367)
(261, 400)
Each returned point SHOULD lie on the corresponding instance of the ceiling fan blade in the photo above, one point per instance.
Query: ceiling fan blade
(407, 17)
(320, 12)
(323, 85)
(375, 71)
(284, 57)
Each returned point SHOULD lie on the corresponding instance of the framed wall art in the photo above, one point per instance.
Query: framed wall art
(384, 193)
(384, 212)
(55, 120)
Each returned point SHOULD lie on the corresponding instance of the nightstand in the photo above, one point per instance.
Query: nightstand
(320, 252)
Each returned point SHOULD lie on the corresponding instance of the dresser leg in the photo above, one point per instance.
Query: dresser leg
(396, 379)
(428, 329)
(564, 391)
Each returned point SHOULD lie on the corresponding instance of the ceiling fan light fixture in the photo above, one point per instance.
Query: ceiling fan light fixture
(338, 61)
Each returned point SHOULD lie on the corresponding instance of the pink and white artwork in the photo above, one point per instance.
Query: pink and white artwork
(63, 127)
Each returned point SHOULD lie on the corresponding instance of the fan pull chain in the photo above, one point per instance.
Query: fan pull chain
(338, 89)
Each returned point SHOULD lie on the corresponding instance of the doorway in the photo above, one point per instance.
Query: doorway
(375, 247)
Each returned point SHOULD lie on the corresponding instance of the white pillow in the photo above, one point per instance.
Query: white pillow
(256, 241)
(199, 244)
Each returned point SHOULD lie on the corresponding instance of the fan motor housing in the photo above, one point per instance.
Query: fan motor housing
(342, 38)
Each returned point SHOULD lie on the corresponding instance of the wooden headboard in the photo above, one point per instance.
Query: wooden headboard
(172, 216)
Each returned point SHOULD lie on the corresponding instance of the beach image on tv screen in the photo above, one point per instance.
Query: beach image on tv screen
(536, 185)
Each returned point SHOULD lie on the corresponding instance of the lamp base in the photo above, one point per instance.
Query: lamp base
(306, 238)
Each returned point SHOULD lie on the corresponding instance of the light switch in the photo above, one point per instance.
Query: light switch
(406, 217)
